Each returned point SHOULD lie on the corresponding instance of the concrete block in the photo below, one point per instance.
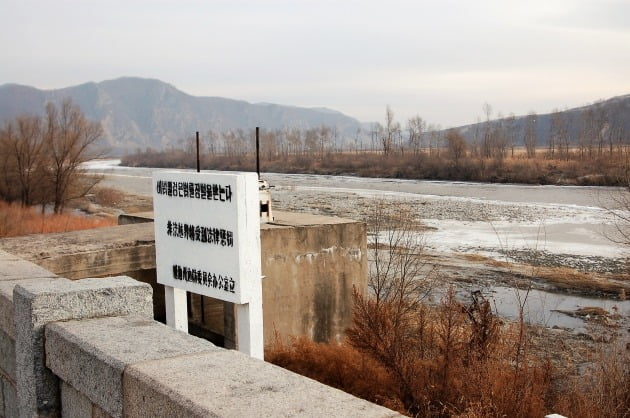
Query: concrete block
(311, 266)
(7, 355)
(37, 304)
(6, 302)
(9, 399)
(231, 384)
(73, 403)
(105, 346)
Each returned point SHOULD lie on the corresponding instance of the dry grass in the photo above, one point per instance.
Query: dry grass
(16, 221)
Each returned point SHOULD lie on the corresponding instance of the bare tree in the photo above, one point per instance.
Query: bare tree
(456, 145)
(415, 128)
(388, 133)
(294, 139)
(486, 147)
(24, 159)
(434, 133)
(559, 135)
(499, 138)
(530, 137)
(325, 137)
(311, 140)
(511, 132)
(70, 141)
(397, 271)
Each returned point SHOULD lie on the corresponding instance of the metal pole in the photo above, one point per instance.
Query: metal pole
(198, 167)
(258, 152)
(201, 301)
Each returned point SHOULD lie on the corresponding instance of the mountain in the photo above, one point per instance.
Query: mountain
(604, 115)
(139, 113)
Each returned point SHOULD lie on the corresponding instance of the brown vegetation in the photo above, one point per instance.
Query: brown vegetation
(452, 360)
(40, 157)
(16, 220)
(458, 360)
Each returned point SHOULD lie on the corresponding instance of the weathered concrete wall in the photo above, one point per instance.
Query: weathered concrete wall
(88, 348)
(91, 253)
(310, 264)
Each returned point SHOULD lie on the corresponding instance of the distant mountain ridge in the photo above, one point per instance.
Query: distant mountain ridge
(139, 113)
(609, 113)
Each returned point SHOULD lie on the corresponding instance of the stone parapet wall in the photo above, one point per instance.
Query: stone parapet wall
(90, 348)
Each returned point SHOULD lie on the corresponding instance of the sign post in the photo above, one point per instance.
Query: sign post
(207, 240)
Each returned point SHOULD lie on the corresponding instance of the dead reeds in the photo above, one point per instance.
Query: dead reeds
(16, 220)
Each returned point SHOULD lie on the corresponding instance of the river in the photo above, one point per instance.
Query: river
(560, 225)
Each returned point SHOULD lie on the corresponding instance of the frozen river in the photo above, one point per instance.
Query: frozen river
(496, 220)
(562, 225)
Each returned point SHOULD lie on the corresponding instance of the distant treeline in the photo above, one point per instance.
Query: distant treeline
(455, 160)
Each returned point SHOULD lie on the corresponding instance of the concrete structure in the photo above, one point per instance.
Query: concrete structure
(89, 348)
(310, 264)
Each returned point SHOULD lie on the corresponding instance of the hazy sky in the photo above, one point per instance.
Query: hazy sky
(440, 59)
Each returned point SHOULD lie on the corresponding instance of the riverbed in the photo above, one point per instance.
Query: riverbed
(556, 226)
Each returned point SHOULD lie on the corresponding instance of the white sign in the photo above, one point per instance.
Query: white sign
(207, 233)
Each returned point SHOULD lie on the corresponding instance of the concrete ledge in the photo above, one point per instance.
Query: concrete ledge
(38, 303)
(106, 346)
(230, 384)
(135, 218)
(88, 253)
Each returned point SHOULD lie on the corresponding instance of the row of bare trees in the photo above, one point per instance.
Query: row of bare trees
(318, 142)
(596, 131)
(41, 157)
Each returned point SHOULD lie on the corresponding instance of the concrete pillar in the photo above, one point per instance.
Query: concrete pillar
(37, 304)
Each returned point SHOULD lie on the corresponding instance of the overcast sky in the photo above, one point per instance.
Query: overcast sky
(440, 59)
